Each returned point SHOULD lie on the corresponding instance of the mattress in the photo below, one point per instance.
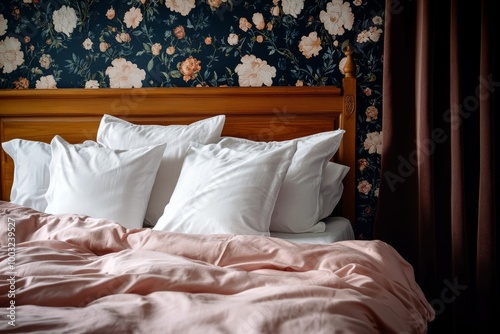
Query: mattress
(337, 229)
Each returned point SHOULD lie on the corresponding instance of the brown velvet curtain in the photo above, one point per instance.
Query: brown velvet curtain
(438, 196)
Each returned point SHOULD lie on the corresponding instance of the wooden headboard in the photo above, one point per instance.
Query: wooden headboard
(259, 113)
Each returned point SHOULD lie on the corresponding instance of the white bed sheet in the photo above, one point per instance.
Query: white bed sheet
(337, 229)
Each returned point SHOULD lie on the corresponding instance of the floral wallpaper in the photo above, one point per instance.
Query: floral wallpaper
(173, 43)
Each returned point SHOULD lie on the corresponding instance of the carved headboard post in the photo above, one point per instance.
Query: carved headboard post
(348, 123)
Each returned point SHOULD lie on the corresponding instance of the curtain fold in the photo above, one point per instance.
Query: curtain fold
(438, 198)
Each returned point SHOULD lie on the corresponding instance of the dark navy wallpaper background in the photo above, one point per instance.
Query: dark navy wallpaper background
(94, 44)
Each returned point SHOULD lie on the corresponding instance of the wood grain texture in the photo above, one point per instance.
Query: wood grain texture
(261, 113)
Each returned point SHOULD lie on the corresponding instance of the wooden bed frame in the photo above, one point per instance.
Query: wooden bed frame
(259, 113)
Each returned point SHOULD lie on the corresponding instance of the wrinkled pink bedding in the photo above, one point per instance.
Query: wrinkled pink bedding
(75, 274)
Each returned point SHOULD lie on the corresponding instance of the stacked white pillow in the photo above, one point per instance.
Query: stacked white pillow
(298, 207)
(331, 187)
(101, 182)
(85, 179)
(116, 133)
(223, 190)
(31, 171)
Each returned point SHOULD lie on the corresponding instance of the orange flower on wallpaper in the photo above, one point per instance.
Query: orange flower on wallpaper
(244, 24)
(21, 83)
(190, 68)
(179, 32)
(110, 14)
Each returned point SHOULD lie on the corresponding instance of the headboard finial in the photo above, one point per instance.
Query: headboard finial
(349, 67)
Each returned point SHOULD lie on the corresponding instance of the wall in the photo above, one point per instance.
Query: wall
(167, 43)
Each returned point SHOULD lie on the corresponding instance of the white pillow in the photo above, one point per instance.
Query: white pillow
(101, 182)
(116, 133)
(226, 191)
(332, 187)
(297, 208)
(31, 171)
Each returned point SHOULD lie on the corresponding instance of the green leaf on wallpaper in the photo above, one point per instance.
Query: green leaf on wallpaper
(370, 77)
(146, 47)
(150, 64)
(344, 45)
(175, 74)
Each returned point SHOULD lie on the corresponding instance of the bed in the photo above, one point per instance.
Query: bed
(213, 261)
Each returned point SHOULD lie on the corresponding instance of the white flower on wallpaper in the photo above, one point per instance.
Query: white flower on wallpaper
(232, 39)
(293, 7)
(46, 82)
(254, 72)
(11, 55)
(64, 20)
(373, 142)
(91, 84)
(375, 33)
(310, 45)
(133, 17)
(363, 37)
(258, 20)
(3, 25)
(45, 61)
(87, 44)
(125, 74)
(372, 34)
(377, 20)
(180, 6)
(338, 16)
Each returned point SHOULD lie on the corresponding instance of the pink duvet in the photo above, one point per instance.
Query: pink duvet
(74, 274)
